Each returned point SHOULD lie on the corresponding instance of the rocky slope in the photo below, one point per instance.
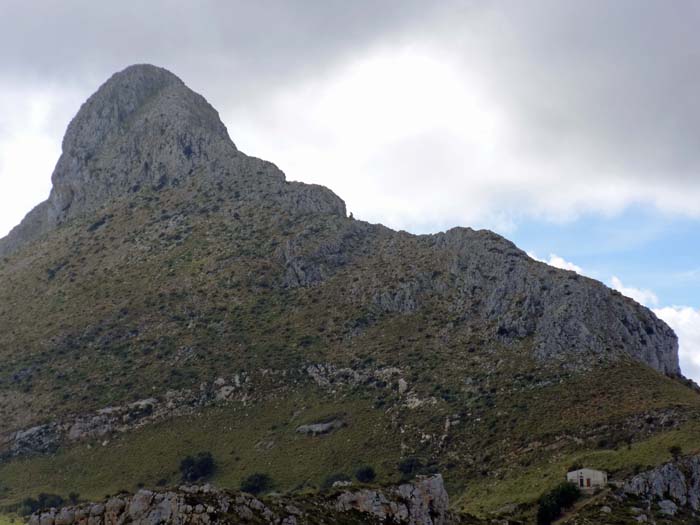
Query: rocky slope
(172, 284)
(145, 129)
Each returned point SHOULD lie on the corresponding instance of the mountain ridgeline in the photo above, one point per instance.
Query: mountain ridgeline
(174, 286)
(144, 129)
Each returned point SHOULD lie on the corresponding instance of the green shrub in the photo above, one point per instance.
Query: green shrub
(27, 506)
(675, 451)
(409, 467)
(198, 467)
(365, 474)
(44, 501)
(550, 505)
(256, 483)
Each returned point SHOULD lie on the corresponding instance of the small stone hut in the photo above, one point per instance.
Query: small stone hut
(587, 479)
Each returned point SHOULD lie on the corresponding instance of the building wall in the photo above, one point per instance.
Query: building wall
(587, 479)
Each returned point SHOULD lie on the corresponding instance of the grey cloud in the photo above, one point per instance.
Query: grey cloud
(606, 89)
(227, 49)
(614, 83)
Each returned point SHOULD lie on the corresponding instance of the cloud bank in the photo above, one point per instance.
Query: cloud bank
(685, 321)
(421, 116)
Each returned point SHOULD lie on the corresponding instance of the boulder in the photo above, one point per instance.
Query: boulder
(316, 429)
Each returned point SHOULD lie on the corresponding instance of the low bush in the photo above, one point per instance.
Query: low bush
(44, 501)
(365, 474)
(550, 505)
(256, 483)
(198, 467)
(675, 451)
(409, 467)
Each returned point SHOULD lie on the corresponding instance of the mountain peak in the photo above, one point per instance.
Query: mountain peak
(138, 95)
(140, 125)
(142, 128)
(114, 102)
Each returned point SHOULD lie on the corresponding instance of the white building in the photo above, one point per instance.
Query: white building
(587, 479)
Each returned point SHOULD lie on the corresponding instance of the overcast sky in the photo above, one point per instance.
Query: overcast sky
(568, 126)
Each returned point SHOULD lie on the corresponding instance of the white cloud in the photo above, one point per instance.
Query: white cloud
(29, 147)
(558, 262)
(685, 321)
(642, 296)
(420, 118)
(411, 137)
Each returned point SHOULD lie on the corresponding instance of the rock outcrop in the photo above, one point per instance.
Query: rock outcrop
(324, 427)
(423, 502)
(673, 484)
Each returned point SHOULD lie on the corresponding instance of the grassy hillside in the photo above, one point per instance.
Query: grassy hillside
(503, 455)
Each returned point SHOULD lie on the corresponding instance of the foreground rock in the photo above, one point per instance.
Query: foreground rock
(672, 485)
(422, 502)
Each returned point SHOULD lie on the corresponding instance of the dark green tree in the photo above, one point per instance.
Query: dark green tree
(550, 505)
(365, 474)
(256, 483)
(199, 467)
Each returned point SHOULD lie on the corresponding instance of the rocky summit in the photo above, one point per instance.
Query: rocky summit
(175, 299)
(142, 129)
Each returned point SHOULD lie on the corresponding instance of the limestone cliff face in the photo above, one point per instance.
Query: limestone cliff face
(144, 128)
(565, 314)
(494, 288)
